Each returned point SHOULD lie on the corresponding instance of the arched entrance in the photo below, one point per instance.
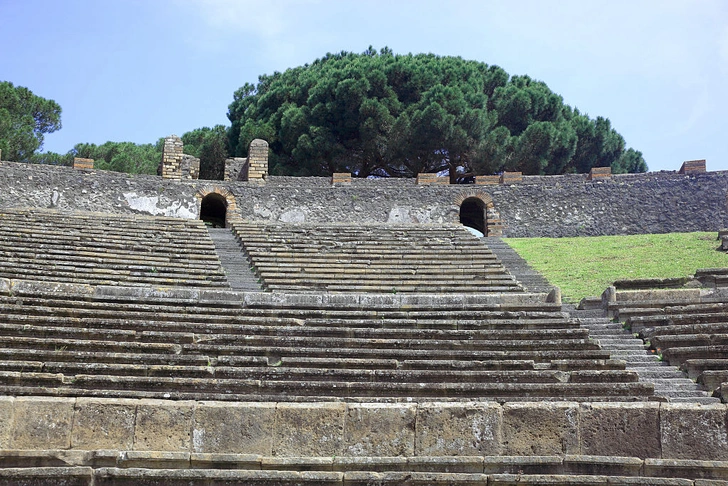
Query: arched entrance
(476, 211)
(472, 215)
(213, 210)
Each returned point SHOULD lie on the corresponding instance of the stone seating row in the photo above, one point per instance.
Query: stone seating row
(96, 468)
(368, 258)
(688, 328)
(51, 246)
(72, 344)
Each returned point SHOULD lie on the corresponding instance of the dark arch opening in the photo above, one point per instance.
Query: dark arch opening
(472, 214)
(213, 210)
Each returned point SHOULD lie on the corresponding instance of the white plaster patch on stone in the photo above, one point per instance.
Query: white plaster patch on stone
(399, 215)
(151, 205)
(422, 215)
(198, 436)
(262, 212)
(293, 216)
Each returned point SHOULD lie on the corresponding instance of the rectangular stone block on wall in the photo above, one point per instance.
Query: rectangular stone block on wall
(511, 177)
(341, 178)
(428, 179)
(79, 163)
(459, 429)
(693, 167)
(599, 173)
(486, 180)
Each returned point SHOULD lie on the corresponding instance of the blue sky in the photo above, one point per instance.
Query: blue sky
(128, 70)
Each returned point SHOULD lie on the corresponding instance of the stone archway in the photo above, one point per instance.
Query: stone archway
(213, 210)
(216, 205)
(476, 210)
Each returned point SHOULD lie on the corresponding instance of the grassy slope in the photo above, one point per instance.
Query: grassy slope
(586, 266)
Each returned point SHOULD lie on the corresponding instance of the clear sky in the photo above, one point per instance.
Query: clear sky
(128, 70)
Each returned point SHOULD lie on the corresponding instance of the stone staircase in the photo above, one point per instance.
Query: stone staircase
(107, 249)
(669, 381)
(529, 278)
(235, 264)
(263, 346)
(372, 258)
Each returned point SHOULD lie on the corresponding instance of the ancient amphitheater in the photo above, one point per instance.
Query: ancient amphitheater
(336, 331)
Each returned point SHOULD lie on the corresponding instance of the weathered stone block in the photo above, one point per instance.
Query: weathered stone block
(486, 180)
(692, 166)
(374, 429)
(163, 426)
(597, 173)
(7, 404)
(620, 429)
(511, 177)
(41, 476)
(693, 431)
(103, 424)
(341, 178)
(540, 428)
(42, 423)
(233, 428)
(309, 429)
(458, 429)
(79, 163)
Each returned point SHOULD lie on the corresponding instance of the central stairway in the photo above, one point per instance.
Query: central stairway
(237, 269)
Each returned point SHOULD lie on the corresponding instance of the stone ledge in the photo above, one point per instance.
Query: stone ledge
(45, 463)
(283, 429)
(257, 299)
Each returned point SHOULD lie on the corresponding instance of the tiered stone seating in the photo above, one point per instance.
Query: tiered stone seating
(107, 249)
(687, 327)
(372, 258)
(108, 468)
(279, 347)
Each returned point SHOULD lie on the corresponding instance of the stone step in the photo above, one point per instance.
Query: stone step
(114, 467)
(180, 388)
(239, 273)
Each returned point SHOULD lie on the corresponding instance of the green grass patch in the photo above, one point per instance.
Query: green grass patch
(584, 267)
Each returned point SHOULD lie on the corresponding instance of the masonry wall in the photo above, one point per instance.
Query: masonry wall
(537, 206)
(336, 429)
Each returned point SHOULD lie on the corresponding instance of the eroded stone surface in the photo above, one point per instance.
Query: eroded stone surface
(103, 424)
(690, 431)
(233, 428)
(42, 423)
(458, 429)
(163, 426)
(620, 429)
(540, 428)
(380, 429)
(309, 429)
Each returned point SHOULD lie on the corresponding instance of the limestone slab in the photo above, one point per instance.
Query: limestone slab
(7, 404)
(233, 428)
(163, 426)
(103, 424)
(540, 429)
(42, 423)
(620, 429)
(309, 429)
(694, 431)
(374, 429)
(458, 429)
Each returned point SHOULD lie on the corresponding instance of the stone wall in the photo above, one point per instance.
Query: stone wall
(568, 205)
(640, 430)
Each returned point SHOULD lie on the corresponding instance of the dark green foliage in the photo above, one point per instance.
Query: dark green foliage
(24, 119)
(210, 146)
(122, 156)
(52, 158)
(377, 113)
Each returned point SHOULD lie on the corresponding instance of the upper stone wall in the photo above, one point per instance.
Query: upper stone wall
(567, 205)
